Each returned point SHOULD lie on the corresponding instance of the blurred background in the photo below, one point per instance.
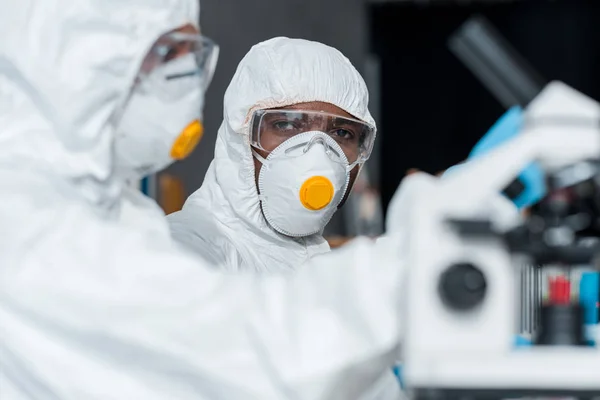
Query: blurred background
(429, 108)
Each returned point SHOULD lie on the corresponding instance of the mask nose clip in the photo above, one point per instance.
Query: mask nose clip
(315, 139)
(318, 139)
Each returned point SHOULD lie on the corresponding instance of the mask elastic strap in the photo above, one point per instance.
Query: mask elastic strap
(260, 158)
(350, 167)
(265, 163)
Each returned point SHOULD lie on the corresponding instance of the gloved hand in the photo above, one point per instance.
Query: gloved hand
(530, 186)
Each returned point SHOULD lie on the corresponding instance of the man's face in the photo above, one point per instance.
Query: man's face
(270, 137)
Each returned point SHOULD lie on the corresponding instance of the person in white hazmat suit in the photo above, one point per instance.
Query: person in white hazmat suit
(94, 308)
(140, 141)
(296, 132)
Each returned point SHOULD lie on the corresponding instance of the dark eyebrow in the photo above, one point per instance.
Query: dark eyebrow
(345, 123)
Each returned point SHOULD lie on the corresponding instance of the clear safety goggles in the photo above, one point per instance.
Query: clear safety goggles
(270, 128)
(178, 59)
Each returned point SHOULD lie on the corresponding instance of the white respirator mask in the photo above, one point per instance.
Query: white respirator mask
(161, 121)
(302, 182)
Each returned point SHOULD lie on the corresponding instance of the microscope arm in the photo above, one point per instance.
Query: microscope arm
(561, 128)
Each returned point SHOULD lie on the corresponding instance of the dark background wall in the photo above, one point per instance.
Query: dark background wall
(432, 109)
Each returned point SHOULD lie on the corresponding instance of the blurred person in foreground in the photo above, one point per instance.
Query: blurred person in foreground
(95, 307)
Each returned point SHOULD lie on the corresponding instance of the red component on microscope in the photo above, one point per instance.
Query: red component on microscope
(560, 290)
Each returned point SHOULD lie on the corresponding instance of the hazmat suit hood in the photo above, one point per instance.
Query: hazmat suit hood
(222, 221)
(65, 72)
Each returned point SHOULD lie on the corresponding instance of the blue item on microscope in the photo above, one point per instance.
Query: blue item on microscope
(589, 296)
(531, 180)
(532, 177)
(522, 341)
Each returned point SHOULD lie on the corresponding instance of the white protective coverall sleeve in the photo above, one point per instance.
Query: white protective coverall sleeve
(222, 221)
(128, 319)
(142, 212)
(91, 308)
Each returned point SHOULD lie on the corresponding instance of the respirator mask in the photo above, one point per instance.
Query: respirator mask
(306, 172)
(161, 122)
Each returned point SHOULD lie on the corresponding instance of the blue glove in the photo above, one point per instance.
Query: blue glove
(531, 180)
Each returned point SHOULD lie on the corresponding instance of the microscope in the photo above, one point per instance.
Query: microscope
(468, 246)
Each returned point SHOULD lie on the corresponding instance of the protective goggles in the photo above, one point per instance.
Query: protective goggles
(179, 57)
(270, 128)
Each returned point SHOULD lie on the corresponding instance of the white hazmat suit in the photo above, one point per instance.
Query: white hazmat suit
(222, 221)
(94, 309)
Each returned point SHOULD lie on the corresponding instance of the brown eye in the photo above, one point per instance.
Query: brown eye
(343, 134)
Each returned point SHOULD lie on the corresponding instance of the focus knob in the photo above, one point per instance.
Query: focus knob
(462, 287)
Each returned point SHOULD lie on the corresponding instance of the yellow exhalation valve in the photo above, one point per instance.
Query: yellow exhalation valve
(316, 193)
(187, 141)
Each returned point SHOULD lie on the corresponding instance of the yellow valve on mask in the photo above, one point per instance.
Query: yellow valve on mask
(187, 141)
(316, 193)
